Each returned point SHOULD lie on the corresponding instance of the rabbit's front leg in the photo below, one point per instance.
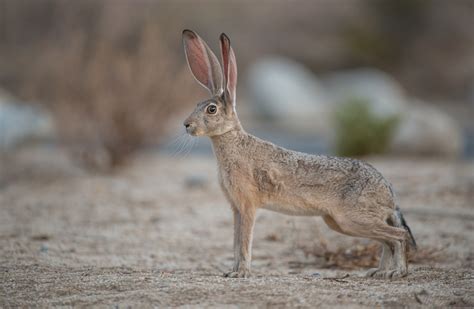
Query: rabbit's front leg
(244, 221)
(236, 239)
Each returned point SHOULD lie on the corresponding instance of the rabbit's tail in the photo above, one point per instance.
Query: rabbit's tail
(404, 224)
(400, 220)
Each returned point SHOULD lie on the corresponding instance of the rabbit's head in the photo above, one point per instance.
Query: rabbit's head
(214, 116)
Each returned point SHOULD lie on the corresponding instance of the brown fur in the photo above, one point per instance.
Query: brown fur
(352, 197)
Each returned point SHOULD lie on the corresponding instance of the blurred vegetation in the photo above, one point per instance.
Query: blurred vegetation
(359, 131)
(392, 28)
(408, 39)
(112, 88)
(111, 99)
(113, 72)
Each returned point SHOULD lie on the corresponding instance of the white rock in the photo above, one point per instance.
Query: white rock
(21, 122)
(384, 95)
(285, 92)
(426, 130)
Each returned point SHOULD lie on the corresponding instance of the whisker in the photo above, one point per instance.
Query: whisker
(190, 146)
(181, 145)
(173, 140)
(180, 141)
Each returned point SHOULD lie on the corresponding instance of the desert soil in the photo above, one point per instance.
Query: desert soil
(159, 233)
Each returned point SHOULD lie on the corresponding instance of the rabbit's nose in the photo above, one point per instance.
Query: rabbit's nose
(187, 124)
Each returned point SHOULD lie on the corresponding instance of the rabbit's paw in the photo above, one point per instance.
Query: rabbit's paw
(385, 274)
(399, 273)
(243, 273)
(371, 272)
(379, 273)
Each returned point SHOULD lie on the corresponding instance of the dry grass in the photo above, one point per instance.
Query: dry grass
(428, 254)
(111, 86)
(366, 255)
(111, 102)
(273, 237)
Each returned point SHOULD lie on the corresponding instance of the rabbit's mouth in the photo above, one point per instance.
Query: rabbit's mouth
(192, 130)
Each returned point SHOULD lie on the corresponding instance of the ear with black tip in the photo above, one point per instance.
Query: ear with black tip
(202, 62)
(229, 67)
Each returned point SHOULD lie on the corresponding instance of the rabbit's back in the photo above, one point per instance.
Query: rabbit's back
(300, 183)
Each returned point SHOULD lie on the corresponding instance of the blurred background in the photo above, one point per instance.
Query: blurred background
(105, 200)
(105, 79)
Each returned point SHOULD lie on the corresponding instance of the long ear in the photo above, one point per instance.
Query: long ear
(230, 66)
(202, 62)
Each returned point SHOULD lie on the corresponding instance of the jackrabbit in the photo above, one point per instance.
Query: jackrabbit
(352, 197)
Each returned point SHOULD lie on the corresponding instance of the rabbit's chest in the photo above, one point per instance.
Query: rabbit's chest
(235, 180)
(254, 184)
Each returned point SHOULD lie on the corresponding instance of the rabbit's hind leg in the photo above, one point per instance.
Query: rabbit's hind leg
(393, 263)
(400, 260)
(333, 225)
(386, 261)
(400, 257)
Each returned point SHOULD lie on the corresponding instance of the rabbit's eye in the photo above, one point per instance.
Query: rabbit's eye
(211, 109)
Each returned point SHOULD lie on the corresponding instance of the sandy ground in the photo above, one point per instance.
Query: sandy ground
(159, 233)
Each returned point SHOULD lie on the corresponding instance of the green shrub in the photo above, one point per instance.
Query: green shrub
(359, 131)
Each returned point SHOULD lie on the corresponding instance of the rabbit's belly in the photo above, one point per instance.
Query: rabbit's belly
(293, 210)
